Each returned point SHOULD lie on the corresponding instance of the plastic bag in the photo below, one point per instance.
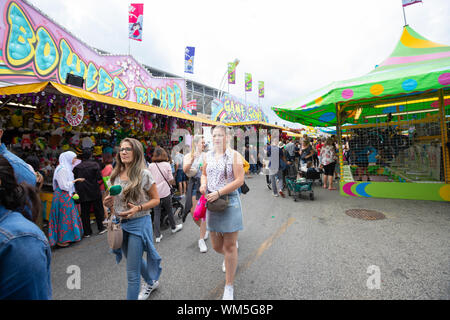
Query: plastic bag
(200, 210)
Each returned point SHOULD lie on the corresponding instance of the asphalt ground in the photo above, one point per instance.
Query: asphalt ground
(287, 250)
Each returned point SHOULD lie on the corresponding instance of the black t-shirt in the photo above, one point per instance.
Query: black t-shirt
(89, 189)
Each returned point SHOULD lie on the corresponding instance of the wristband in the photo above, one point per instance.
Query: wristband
(218, 193)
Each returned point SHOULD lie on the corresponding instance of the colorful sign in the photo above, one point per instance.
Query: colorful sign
(135, 21)
(232, 109)
(74, 112)
(261, 89)
(248, 82)
(35, 49)
(189, 55)
(231, 73)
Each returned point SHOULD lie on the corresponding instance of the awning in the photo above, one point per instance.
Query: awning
(80, 93)
(260, 123)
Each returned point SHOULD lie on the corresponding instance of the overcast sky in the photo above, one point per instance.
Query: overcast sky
(294, 46)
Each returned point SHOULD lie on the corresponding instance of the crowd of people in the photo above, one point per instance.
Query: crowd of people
(81, 186)
(306, 157)
(148, 184)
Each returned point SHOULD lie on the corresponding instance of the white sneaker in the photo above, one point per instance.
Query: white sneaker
(202, 246)
(228, 293)
(275, 195)
(158, 239)
(178, 227)
(206, 235)
(223, 267)
(147, 289)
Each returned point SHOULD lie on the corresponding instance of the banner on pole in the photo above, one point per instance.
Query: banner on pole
(248, 82)
(189, 60)
(410, 2)
(135, 20)
(261, 89)
(231, 73)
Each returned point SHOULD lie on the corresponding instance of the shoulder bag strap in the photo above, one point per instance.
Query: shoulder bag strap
(163, 176)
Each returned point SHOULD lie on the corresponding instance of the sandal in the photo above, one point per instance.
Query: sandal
(63, 245)
(332, 188)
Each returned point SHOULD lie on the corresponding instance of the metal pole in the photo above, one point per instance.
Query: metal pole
(444, 137)
(404, 15)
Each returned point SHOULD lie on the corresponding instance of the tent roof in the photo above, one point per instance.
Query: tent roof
(416, 65)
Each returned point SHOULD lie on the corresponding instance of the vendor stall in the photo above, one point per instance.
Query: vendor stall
(396, 121)
(58, 94)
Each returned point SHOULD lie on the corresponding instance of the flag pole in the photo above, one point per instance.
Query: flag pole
(404, 15)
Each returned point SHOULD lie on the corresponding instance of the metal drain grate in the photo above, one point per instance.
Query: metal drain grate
(365, 214)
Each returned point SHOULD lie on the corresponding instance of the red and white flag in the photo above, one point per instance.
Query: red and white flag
(191, 106)
(410, 2)
(135, 20)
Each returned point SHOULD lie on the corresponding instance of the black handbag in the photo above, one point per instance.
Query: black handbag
(245, 188)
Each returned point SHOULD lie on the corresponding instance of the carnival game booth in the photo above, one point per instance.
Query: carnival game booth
(396, 122)
(46, 119)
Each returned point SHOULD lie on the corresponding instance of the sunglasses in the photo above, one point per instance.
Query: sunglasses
(127, 149)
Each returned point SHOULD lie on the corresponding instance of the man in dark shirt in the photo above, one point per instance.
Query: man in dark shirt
(89, 192)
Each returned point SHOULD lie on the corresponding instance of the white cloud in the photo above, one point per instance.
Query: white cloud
(295, 47)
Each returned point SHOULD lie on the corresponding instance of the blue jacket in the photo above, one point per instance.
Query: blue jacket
(25, 257)
(21, 169)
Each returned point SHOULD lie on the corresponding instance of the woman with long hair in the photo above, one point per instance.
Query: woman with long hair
(192, 166)
(25, 253)
(65, 224)
(139, 195)
(222, 175)
(162, 173)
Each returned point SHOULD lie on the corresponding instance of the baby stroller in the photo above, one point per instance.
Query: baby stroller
(314, 174)
(177, 209)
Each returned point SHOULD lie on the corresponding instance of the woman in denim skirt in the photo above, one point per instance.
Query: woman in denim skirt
(223, 174)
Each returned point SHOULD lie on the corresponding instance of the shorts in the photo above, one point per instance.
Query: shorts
(196, 188)
(180, 176)
(329, 169)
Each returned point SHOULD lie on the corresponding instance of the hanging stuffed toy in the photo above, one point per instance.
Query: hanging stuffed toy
(26, 141)
(148, 125)
(75, 140)
(17, 119)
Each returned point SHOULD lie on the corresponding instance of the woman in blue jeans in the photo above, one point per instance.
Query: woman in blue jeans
(132, 205)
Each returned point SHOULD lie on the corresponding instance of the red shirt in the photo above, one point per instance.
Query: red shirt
(318, 148)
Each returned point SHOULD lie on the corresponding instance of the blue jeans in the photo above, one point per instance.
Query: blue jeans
(133, 249)
(274, 178)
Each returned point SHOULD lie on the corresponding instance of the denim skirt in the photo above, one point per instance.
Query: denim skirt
(229, 220)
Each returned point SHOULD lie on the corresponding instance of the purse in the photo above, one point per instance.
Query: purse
(218, 205)
(245, 188)
(115, 234)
